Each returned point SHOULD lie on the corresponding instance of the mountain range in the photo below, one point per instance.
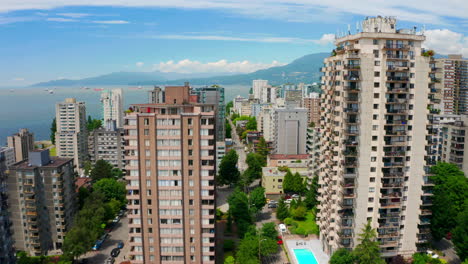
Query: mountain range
(304, 69)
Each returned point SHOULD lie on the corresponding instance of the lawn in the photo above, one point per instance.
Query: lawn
(53, 151)
(306, 226)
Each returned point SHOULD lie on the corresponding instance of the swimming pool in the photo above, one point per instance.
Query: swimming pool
(305, 256)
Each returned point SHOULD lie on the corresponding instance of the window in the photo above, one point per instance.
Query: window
(376, 84)
(373, 169)
(371, 189)
(376, 74)
(370, 209)
(374, 138)
(377, 63)
(375, 41)
(189, 121)
(146, 121)
(376, 95)
(370, 200)
(146, 132)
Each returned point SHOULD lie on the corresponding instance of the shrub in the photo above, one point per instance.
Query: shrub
(288, 221)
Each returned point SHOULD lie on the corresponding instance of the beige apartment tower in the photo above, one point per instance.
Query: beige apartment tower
(375, 128)
(71, 138)
(171, 158)
(22, 142)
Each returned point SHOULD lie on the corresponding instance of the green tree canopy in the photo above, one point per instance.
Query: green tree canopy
(310, 200)
(262, 149)
(368, 251)
(111, 188)
(228, 129)
(53, 130)
(257, 198)
(268, 230)
(460, 234)
(239, 210)
(288, 182)
(282, 211)
(450, 193)
(228, 172)
(93, 124)
(230, 260)
(342, 256)
(102, 169)
(229, 105)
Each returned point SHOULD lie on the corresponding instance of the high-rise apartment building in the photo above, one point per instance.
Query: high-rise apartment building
(312, 103)
(455, 143)
(375, 129)
(107, 144)
(257, 88)
(214, 95)
(171, 156)
(112, 108)
(452, 81)
(71, 138)
(42, 202)
(22, 142)
(289, 130)
(7, 158)
(156, 96)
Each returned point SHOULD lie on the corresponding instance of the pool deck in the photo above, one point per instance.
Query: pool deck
(310, 244)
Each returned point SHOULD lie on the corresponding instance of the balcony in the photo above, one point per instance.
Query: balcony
(397, 79)
(396, 57)
(392, 184)
(352, 66)
(351, 78)
(396, 68)
(396, 47)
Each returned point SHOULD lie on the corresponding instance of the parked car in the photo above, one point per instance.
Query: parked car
(116, 219)
(272, 205)
(110, 260)
(295, 196)
(282, 227)
(115, 252)
(120, 245)
(288, 201)
(287, 196)
(121, 213)
(97, 245)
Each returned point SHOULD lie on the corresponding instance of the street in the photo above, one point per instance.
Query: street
(119, 233)
(239, 147)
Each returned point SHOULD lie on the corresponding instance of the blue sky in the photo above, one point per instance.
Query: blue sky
(46, 39)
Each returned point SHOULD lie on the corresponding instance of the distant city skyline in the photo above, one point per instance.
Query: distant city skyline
(44, 41)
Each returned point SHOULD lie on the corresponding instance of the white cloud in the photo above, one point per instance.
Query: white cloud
(421, 11)
(61, 19)
(114, 22)
(221, 66)
(73, 15)
(139, 64)
(11, 20)
(18, 79)
(445, 42)
(326, 39)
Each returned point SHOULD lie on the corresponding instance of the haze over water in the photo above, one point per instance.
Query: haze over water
(34, 108)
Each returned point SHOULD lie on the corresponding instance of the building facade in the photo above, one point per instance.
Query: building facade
(156, 96)
(71, 138)
(112, 107)
(452, 81)
(22, 142)
(375, 129)
(108, 145)
(312, 103)
(290, 130)
(455, 143)
(214, 95)
(42, 202)
(171, 156)
(7, 158)
(258, 87)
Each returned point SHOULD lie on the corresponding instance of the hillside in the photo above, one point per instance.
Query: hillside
(304, 69)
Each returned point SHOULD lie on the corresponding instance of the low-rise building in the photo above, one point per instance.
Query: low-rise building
(273, 178)
(42, 202)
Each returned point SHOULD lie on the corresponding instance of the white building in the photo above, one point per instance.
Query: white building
(258, 86)
(71, 138)
(375, 129)
(290, 130)
(112, 107)
(8, 155)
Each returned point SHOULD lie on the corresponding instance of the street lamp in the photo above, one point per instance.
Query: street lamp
(259, 256)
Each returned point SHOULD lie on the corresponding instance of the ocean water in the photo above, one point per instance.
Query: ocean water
(34, 108)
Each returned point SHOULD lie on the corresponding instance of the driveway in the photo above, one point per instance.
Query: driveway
(119, 233)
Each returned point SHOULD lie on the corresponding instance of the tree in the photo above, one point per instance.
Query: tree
(288, 182)
(239, 210)
(77, 242)
(230, 260)
(229, 105)
(251, 124)
(257, 198)
(83, 194)
(87, 167)
(310, 200)
(93, 124)
(111, 189)
(398, 259)
(117, 173)
(298, 184)
(53, 130)
(450, 193)
(268, 230)
(262, 148)
(228, 129)
(282, 211)
(460, 234)
(422, 258)
(102, 169)
(342, 256)
(247, 252)
(368, 252)
(299, 213)
(228, 172)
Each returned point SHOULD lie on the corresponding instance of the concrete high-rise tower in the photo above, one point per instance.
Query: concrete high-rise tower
(375, 127)
(71, 138)
(22, 142)
(112, 106)
(171, 156)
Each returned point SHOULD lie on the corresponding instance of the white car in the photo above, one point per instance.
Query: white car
(288, 201)
(282, 228)
(116, 219)
(295, 196)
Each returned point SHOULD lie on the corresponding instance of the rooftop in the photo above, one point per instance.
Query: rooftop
(55, 162)
(289, 156)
